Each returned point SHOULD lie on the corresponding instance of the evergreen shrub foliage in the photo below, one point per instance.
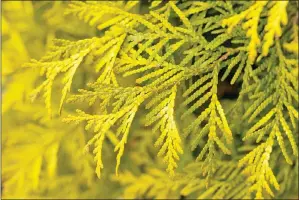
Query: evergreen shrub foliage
(150, 99)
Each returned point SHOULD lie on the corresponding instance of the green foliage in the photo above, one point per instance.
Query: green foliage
(147, 81)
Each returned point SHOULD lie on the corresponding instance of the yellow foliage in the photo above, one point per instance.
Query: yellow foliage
(252, 15)
(258, 168)
(293, 45)
(130, 78)
(273, 28)
(169, 139)
(155, 184)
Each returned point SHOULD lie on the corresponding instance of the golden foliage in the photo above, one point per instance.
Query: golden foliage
(129, 78)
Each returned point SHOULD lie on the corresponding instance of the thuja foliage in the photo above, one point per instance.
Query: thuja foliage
(127, 99)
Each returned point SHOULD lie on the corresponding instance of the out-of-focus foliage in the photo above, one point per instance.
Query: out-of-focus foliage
(39, 155)
(125, 99)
